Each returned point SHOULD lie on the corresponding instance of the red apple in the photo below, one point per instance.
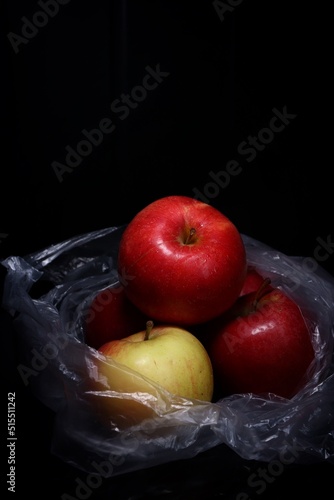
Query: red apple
(111, 316)
(252, 281)
(187, 261)
(262, 345)
(169, 356)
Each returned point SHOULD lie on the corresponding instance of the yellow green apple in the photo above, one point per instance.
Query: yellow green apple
(162, 356)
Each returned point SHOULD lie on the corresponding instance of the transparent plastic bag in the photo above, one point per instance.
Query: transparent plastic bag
(61, 370)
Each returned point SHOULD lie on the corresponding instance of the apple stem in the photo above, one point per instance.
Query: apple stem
(260, 292)
(191, 233)
(149, 326)
(248, 303)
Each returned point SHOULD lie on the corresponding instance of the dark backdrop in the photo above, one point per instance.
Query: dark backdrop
(204, 81)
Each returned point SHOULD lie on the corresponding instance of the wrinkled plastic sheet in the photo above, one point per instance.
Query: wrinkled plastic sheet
(48, 294)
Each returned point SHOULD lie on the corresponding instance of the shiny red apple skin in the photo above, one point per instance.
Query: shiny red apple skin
(111, 316)
(252, 281)
(266, 351)
(178, 282)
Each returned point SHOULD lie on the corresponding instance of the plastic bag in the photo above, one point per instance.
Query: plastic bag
(61, 370)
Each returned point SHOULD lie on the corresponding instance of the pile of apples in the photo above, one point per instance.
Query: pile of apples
(191, 315)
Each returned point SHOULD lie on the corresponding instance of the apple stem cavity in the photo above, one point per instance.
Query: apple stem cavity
(261, 291)
(190, 236)
(248, 303)
(149, 326)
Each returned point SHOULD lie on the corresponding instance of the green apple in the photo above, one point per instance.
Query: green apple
(170, 356)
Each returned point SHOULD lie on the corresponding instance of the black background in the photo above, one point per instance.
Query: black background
(225, 77)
